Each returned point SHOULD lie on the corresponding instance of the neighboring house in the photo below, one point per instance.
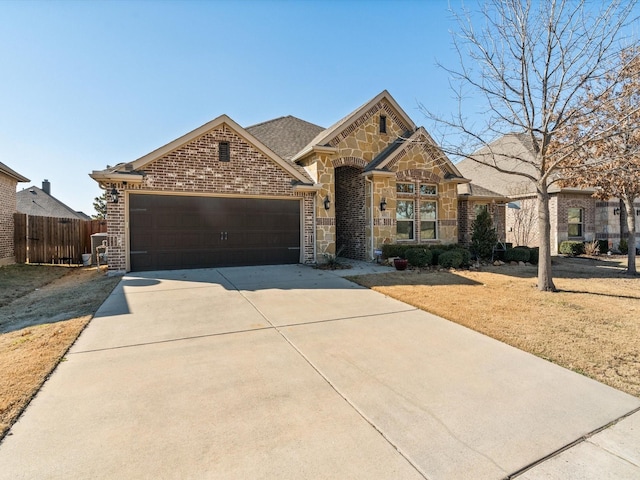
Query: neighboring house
(8, 180)
(574, 213)
(282, 191)
(39, 202)
(472, 199)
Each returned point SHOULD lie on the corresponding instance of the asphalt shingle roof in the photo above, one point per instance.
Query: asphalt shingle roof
(286, 136)
(34, 201)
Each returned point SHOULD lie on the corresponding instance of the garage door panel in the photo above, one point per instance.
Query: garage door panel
(168, 232)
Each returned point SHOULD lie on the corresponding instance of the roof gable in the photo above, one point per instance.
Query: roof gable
(422, 139)
(342, 128)
(12, 173)
(113, 174)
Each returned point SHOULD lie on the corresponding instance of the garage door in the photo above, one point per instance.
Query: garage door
(171, 232)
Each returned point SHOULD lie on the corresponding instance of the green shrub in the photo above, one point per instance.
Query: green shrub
(450, 259)
(483, 236)
(466, 255)
(435, 254)
(571, 247)
(604, 246)
(623, 246)
(534, 254)
(418, 256)
(518, 254)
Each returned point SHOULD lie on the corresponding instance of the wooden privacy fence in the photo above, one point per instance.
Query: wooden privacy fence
(53, 240)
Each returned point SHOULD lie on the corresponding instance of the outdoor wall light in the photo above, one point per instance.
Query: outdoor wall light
(327, 203)
(113, 195)
(383, 204)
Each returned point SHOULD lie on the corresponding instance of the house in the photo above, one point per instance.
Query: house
(574, 213)
(472, 199)
(40, 203)
(282, 191)
(8, 180)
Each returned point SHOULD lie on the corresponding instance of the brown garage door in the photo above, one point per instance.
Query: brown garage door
(172, 232)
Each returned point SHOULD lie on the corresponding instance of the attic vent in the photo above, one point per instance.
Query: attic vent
(383, 124)
(224, 153)
(128, 167)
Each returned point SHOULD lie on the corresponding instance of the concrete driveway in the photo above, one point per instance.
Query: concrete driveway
(290, 372)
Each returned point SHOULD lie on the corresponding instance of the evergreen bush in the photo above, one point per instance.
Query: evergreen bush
(418, 256)
(571, 247)
(450, 259)
(483, 236)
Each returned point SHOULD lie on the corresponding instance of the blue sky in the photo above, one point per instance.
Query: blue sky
(86, 84)
(89, 84)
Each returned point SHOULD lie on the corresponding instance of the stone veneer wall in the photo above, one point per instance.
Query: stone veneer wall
(350, 213)
(7, 209)
(195, 169)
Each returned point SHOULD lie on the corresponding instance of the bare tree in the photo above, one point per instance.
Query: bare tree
(524, 64)
(609, 136)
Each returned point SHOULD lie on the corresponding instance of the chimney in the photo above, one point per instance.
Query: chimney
(46, 186)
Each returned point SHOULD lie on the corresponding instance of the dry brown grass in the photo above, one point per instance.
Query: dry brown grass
(43, 315)
(591, 326)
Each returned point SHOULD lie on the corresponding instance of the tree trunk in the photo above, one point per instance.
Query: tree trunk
(631, 235)
(545, 279)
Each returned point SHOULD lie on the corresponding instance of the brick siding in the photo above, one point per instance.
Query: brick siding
(195, 169)
(7, 209)
(350, 213)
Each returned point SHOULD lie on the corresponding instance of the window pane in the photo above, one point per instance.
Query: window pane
(428, 211)
(427, 230)
(428, 189)
(483, 207)
(575, 215)
(575, 230)
(404, 230)
(405, 188)
(404, 210)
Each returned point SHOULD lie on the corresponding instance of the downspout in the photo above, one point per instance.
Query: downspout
(371, 227)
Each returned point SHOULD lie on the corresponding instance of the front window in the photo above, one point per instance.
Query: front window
(405, 188)
(575, 222)
(404, 220)
(428, 189)
(428, 220)
(480, 207)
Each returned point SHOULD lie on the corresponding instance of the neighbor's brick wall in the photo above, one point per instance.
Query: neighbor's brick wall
(587, 204)
(195, 168)
(7, 209)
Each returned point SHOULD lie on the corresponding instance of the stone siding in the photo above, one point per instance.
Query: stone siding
(7, 209)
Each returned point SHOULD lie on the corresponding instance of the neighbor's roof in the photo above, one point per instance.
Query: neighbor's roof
(34, 201)
(286, 136)
(472, 190)
(12, 173)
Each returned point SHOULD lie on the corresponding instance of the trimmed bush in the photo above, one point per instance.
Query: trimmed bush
(534, 254)
(419, 257)
(450, 259)
(572, 248)
(435, 254)
(623, 246)
(604, 246)
(466, 255)
(518, 254)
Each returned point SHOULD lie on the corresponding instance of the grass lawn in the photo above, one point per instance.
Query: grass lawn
(43, 309)
(591, 326)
